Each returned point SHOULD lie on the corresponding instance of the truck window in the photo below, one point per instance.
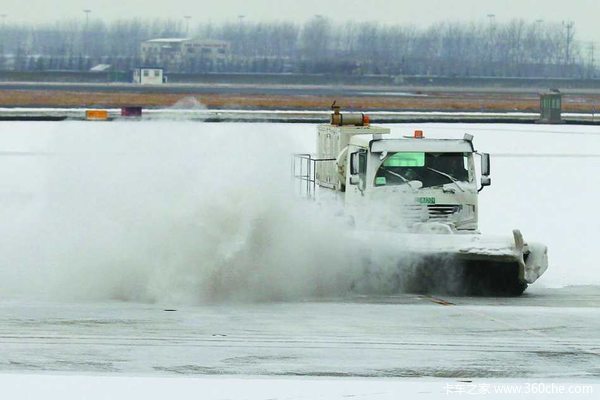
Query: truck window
(362, 168)
(362, 163)
(432, 169)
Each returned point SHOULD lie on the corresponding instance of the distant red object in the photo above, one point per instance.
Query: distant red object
(131, 111)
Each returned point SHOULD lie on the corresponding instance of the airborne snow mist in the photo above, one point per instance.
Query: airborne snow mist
(180, 212)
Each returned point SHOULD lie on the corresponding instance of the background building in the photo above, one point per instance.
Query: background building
(185, 55)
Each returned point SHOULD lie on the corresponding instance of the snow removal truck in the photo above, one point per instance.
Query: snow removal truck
(421, 195)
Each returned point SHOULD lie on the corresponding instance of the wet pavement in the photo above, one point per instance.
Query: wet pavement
(545, 334)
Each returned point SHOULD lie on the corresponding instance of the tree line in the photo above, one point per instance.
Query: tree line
(515, 48)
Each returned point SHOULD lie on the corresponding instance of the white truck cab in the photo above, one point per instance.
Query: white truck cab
(422, 179)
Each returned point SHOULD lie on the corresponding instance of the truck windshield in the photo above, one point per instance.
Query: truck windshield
(432, 169)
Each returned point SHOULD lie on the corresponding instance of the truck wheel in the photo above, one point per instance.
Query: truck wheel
(517, 289)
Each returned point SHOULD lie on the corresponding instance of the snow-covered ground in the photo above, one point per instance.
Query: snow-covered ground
(550, 333)
(261, 388)
(360, 347)
(107, 225)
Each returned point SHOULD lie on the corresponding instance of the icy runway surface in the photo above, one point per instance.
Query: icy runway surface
(549, 333)
(171, 248)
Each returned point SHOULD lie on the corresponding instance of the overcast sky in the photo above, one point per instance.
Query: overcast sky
(585, 13)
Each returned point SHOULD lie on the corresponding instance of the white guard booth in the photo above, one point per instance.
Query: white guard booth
(148, 76)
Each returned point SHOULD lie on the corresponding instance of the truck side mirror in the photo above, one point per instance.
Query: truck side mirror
(354, 164)
(486, 181)
(354, 179)
(358, 168)
(485, 166)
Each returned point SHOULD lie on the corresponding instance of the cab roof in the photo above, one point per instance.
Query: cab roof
(381, 143)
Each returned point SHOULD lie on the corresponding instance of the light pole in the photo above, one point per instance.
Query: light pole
(538, 25)
(187, 24)
(3, 16)
(570, 33)
(491, 42)
(592, 60)
(85, 42)
(87, 16)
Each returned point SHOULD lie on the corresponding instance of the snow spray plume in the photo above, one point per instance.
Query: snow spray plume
(177, 212)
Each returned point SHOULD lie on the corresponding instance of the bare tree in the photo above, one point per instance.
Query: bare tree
(513, 48)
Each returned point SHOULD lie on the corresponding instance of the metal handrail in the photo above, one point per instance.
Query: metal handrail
(307, 172)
